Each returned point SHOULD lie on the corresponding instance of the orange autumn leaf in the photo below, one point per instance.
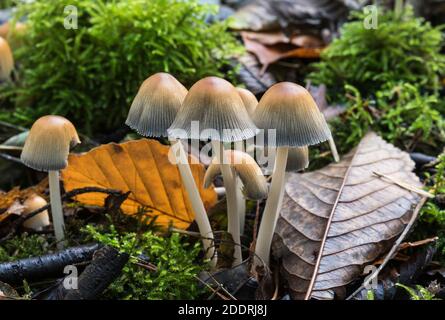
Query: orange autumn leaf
(143, 168)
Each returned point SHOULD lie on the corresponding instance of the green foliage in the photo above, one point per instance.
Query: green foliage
(401, 49)
(23, 246)
(419, 293)
(91, 74)
(400, 114)
(172, 270)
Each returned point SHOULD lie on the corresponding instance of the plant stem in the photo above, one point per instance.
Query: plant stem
(232, 211)
(334, 149)
(241, 204)
(56, 208)
(195, 199)
(272, 209)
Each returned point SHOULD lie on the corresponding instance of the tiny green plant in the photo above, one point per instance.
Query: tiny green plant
(418, 293)
(403, 48)
(169, 269)
(23, 246)
(90, 73)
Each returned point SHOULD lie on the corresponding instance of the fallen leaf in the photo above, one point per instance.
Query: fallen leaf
(250, 74)
(142, 168)
(338, 219)
(270, 54)
(263, 15)
(306, 41)
(266, 38)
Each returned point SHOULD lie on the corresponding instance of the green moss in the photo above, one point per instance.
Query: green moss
(23, 246)
(171, 274)
(92, 73)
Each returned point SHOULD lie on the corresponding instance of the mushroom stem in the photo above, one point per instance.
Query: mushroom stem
(241, 204)
(198, 207)
(333, 149)
(233, 226)
(56, 208)
(272, 209)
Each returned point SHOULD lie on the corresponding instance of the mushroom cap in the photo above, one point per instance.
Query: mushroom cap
(292, 112)
(48, 143)
(254, 182)
(40, 220)
(297, 158)
(6, 60)
(156, 104)
(217, 108)
(249, 99)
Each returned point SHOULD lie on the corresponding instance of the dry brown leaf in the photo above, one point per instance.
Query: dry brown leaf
(270, 54)
(338, 219)
(266, 38)
(143, 168)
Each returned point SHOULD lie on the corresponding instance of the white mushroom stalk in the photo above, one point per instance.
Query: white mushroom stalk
(290, 110)
(46, 149)
(153, 110)
(213, 110)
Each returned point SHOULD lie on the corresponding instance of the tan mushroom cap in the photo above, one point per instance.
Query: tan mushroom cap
(292, 112)
(249, 99)
(48, 143)
(215, 105)
(40, 220)
(254, 182)
(6, 60)
(156, 104)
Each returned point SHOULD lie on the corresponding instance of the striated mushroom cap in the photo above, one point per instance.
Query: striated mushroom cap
(249, 100)
(216, 107)
(48, 143)
(297, 158)
(254, 182)
(40, 220)
(156, 104)
(292, 112)
(6, 60)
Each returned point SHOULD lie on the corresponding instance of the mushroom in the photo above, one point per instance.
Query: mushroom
(246, 168)
(249, 100)
(213, 110)
(153, 110)
(6, 60)
(46, 149)
(250, 103)
(291, 111)
(39, 221)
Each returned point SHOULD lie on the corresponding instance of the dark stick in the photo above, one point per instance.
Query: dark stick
(47, 266)
(106, 266)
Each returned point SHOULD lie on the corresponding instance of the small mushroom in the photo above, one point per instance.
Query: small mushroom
(39, 221)
(46, 149)
(6, 60)
(250, 180)
(246, 168)
(291, 111)
(215, 105)
(249, 100)
(153, 110)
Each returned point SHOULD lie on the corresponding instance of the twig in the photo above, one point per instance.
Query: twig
(406, 186)
(12, 126)
(393, 249)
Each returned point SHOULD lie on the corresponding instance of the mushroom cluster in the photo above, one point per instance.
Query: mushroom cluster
(225, 117)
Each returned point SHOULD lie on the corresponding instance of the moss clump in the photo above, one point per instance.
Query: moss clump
(91, 74)
(402, 48)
